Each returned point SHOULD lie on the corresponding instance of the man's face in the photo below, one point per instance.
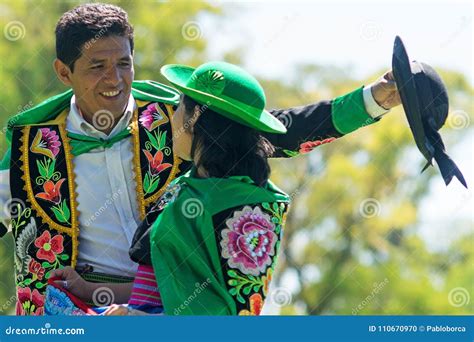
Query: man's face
(103, 75)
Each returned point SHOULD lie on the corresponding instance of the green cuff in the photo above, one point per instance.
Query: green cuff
(349, 113)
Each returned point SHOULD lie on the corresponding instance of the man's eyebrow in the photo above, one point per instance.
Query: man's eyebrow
(97, 61)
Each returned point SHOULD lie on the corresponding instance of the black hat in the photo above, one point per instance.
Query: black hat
(425, 101)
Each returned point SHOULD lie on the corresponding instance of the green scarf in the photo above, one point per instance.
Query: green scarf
(184, 250)
(82, 143)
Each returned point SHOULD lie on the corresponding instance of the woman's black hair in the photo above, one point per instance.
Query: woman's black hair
(226, 148)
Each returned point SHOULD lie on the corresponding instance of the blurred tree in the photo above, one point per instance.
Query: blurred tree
(351, 238)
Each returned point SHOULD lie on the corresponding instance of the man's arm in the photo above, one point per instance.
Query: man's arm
(322, 122)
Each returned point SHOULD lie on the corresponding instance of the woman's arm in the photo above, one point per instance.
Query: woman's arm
(322, 122)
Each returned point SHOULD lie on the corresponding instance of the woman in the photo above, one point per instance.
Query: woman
(210, 244)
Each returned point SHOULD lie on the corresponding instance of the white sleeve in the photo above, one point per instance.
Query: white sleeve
(371, 106)
(5, 198)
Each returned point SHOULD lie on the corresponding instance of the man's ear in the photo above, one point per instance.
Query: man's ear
(63, 72)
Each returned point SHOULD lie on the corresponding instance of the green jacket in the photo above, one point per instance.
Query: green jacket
(214, 247)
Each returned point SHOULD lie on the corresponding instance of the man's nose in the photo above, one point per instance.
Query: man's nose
(112, 76)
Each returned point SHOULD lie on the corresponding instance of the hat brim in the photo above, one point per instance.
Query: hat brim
(406, 86)
(179, 75)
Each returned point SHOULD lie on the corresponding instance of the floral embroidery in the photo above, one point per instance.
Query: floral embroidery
(243, 285)
(23, 241)
(256, 305)
(156, 162)
(49, 247)
(248, 275)
(46, 169)
(46, 142)
(155, 167)
(29, 303)
(52, 192)
(152, 117)
(266, 279)
(308, 146)
(58, 303)
(36, 269)
(249, 241)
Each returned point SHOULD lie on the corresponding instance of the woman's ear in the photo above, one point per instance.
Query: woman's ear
(195, 117)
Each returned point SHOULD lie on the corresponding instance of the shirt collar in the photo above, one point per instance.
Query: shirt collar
(77, 124)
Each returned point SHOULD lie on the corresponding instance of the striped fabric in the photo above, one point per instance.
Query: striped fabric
(145, 289)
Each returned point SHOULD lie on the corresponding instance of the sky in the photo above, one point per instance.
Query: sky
(359, 35)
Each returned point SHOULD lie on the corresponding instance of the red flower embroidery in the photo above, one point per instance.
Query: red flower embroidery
(52, 192)
(29, 303)
(310, 145)
(256, 305)
(49, 247)
(35, 268)
(155, 162)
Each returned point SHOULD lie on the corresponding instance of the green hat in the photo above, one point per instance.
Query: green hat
(227, 90)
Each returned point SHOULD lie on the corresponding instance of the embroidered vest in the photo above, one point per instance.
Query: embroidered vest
(44, 209)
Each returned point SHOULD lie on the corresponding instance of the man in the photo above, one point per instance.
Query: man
(84, 167)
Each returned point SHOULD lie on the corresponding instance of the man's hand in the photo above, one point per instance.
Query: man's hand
(73, 282)
(385, 91)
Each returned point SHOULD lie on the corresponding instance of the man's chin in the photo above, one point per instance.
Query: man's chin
(117, 108)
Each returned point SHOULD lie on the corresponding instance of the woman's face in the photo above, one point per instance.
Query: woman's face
(182, 136)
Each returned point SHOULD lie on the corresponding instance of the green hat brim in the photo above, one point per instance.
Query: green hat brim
(179, 75)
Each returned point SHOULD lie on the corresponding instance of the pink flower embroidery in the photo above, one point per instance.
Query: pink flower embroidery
(310, 145)
(249, 241)
(29, 303)
(150, 118)
(49, 247)
(46, 142)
